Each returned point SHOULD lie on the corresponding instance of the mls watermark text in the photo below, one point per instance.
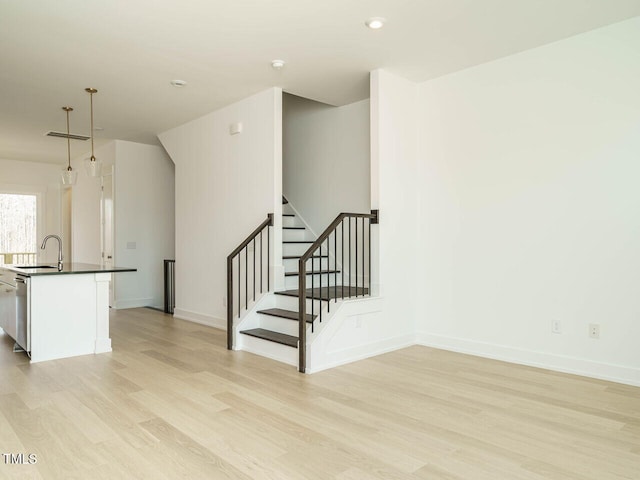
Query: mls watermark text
(20, 458)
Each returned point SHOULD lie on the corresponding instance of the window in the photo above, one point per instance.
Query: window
(18, 230)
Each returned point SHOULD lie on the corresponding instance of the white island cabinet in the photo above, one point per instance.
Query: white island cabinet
(63, 313)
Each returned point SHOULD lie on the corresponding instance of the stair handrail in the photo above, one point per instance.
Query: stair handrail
(236, 252)
(302, 274)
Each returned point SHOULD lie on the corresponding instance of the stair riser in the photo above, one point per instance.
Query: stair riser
(291, 222)
(281, 325)
(268, 349)
(291, 303)
(292, 282)
(291, 264)
(297, 248)
(295, 235)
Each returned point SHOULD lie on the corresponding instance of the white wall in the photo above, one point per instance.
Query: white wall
(225, 187)
(42, 180)
(529, 205)
(326, 160)
(144, 215)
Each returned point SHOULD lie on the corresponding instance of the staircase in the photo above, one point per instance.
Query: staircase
(272, 327)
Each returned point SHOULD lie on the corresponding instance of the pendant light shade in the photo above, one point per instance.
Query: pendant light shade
(92, 165)
(69, 177)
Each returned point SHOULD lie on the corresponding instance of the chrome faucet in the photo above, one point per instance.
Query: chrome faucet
(44, 243)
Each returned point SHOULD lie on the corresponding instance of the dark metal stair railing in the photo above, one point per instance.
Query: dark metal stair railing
(264, 259)
(359, 263)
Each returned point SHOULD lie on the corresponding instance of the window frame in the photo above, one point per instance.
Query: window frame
(40, 194)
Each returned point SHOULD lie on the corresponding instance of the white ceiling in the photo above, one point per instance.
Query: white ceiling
(131, 49)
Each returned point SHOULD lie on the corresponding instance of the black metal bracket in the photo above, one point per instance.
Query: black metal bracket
(375, 220)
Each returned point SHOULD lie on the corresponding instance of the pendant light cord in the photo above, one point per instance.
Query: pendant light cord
(93, 158)
(91, 91)
(68, 144)
(68, 109)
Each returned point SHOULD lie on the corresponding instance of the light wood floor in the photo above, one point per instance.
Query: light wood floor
(171, 402)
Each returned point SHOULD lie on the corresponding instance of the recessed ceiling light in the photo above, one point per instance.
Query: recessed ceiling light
(375, 22)
(178, 83)
(277, 64)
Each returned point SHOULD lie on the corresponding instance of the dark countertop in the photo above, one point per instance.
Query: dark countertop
(67, 268)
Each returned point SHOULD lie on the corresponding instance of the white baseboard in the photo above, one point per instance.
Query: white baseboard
(549, 361)
(103, 345)
(132, 303)
(364, 351)
(201, 318)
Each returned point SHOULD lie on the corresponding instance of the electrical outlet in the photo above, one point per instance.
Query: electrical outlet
(594, 330)
(556, 326)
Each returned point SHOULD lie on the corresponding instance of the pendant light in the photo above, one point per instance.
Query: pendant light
(69, 177)
(93, 166)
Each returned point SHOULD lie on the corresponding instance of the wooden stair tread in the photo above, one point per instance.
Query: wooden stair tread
(288, 314)
(328, 293)
(293, 257)
(318, 272)
(293, 228)
(298, 241)
(288, 214)
(276, 337)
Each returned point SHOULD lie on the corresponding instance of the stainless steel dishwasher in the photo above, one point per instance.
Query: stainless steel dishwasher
(8, 290)
(23, 335)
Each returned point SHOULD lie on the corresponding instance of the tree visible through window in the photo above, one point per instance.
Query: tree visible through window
(18, 242)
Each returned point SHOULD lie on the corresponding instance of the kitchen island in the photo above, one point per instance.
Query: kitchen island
(59, 313)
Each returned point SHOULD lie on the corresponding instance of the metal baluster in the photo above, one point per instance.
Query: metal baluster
(229, 303)
(328, 274)
(335, 265)
(261, 262)
(369, 258)
(362, 255)
(268, 259)
(246, 277)
(356, 219)
(320, 306)
(302, 306)
(342, 253)
(350, 271)
(239, 287)
(254, 269)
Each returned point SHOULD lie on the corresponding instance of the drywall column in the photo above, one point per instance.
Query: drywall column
(395, 193)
